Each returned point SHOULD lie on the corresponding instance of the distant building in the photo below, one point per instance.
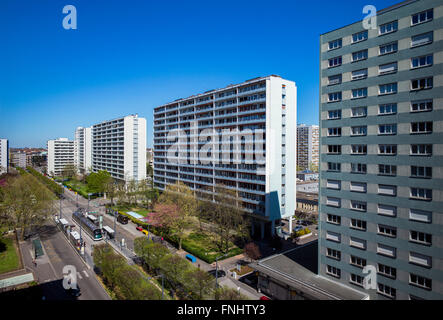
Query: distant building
(307, 175)
(307, 187)
(83, 149)
(18, 159)
(307, 146)
(150, 156)
(307, 203)
(4, 155)
(60, 154)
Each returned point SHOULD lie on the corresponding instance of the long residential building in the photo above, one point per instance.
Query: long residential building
(119, 147)
(4, 155)
(243, 137)
(307, 146)
(18, 159)
(83, 149)
(381, 123)
(60, 154)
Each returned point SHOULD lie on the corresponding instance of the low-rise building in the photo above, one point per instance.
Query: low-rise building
(4, 155)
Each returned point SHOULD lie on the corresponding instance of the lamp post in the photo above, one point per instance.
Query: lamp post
(89, 198)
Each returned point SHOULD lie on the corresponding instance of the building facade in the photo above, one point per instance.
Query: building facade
(4, 155)
(119, 147)
(83, 149)
(307, 146)
(243, 137)
(60, 154)
(381, 178)
(18, 159)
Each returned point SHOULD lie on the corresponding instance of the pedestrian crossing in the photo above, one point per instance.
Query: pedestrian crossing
(79, 274)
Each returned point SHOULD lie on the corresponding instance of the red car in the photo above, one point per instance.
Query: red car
(264, 298)
(139, 228)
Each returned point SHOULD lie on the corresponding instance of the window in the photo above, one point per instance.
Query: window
(387, 149)
(333, 202)
(358, 206)
(423, 83)
(421, 127)
(387, 129)
(356, 279)
(387, 190)
(421, 172)
(423, 61)
(420, 215)
(358, 168)
(359, 149)
(421, 194)
(359, 112)
(422, 39)
(386, 210)
(334, 219)
(333, 184)
(335, 62)
(422, 17)
(421, 106)
(387, 271)
(388, 68)
(332, 236)
(386, 250)
(360, 36)
(420, 237)
(421, 149)
(333, 254)
(333, 271)
(387, 109)
(357, 243)
(334, 167)
(334, 97)
(358, 187)
(334, 115)
(358, 224)
(359, 131)
(388, 27)
(334, 132)
(389, 88)
(388, 48)
(420, 281)
(359, 93)
(336, 44)
(387, 170)
(386, 290)
(358, 262)
(359, 74)
(360, 55)
(333, 80)
(420, 259)
(387, 231)
(334, 149)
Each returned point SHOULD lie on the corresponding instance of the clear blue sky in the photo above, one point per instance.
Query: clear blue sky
(130, 56)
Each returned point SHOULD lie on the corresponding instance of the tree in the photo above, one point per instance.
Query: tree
(182, 198)
(69, 171)
(111, 189)
(199, 282)
(97, 181)
(313, 167)
(224, 293)
(27, 203)
(174, 267)
(252, 251)
(150, 252)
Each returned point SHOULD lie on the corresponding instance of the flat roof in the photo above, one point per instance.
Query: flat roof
(63, 221)
(298, 268)
(108, 229)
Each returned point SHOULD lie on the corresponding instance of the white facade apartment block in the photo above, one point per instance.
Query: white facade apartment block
(119, 147)
(19, 159)
(83, 149)
(307, 145)
(60, 154)
(4, 155)
(266, 106)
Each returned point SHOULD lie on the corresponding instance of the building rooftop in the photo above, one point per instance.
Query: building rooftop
(298, 268)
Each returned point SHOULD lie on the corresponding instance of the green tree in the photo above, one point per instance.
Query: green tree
(200, 283)
(97, 181)
(69, 171)
(174, 268)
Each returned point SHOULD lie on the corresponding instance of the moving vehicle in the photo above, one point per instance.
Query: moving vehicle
(122, 219)
(87, 226)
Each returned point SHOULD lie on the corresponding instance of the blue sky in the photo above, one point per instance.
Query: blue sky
(130, 56)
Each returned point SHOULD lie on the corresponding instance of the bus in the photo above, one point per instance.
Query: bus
(90, 228)
(122, 219)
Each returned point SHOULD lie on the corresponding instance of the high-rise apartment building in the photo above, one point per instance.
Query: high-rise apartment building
(19, 159)
(4, 155)
(83, 149)
(307, 146)
(381, 124)
(243, 137)
(60, 154)
(119, 147)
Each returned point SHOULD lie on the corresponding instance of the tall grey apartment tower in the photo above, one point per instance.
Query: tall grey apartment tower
(119, 147)
(243, 137)
(307, 146)
(381, 124)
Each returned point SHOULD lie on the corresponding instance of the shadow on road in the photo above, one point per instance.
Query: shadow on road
(52, 290)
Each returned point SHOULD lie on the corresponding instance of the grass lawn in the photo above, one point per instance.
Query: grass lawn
(9, 259)
(78, 185)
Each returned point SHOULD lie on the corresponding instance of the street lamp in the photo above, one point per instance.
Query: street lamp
(89, 198)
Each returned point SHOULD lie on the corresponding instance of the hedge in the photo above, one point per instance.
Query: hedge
(54, 187)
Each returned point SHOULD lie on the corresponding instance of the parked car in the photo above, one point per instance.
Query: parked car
(298, 228)
(264, 298)
(139, 228)
(145, 231)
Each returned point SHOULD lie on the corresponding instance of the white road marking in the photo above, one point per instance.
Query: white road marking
(86, 274)
(79, 275)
